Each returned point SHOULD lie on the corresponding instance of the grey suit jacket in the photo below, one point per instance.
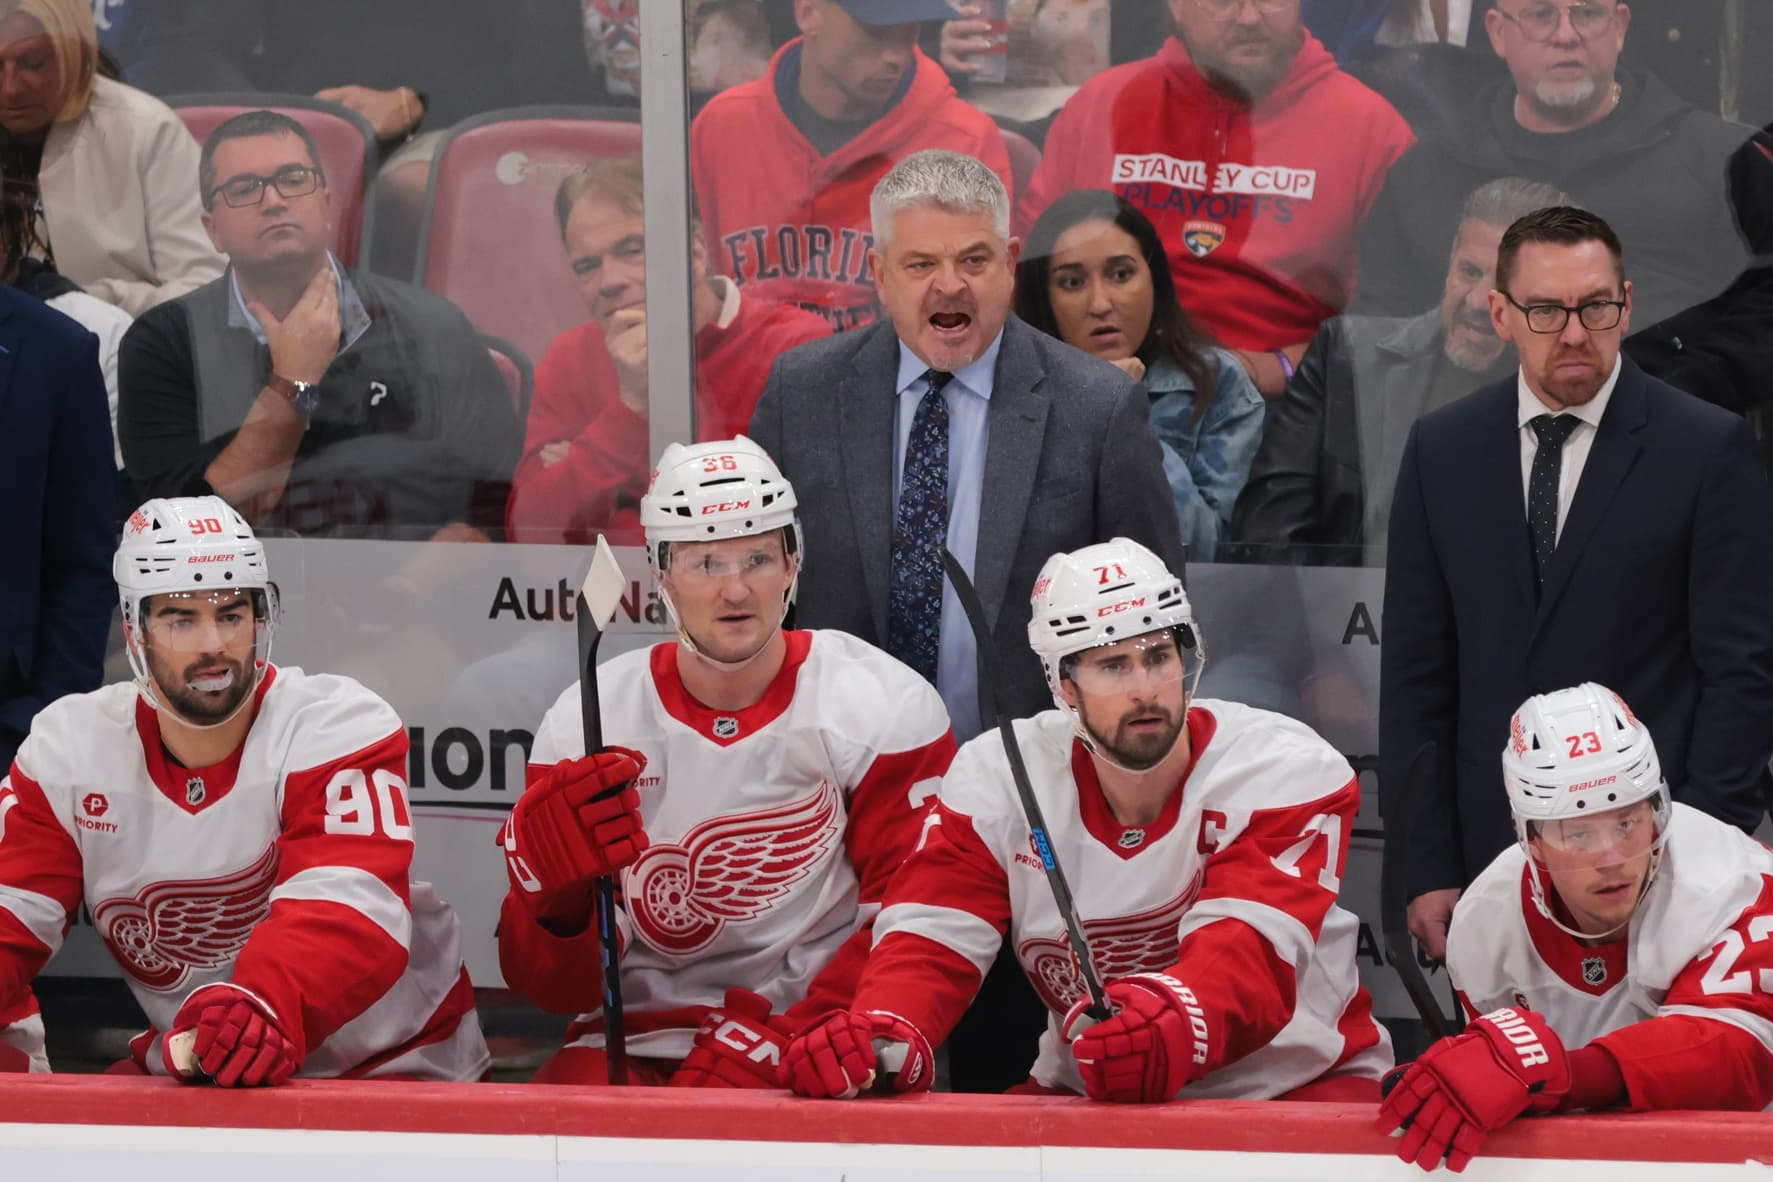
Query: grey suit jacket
(1070, 460)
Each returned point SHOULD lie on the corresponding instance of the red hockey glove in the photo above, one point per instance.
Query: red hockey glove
(1148, 1050)
(737, 1047)
(562, 835)
(13, 1060)
(239, 1041)
(1463, 1089)
(843, 1053)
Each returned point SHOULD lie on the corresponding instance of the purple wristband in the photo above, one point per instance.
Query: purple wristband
(1280, 355)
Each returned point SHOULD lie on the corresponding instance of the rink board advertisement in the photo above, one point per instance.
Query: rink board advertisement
(473, 643)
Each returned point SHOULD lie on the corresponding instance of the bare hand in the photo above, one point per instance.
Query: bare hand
(553, 453)
(964, 41)
(626, 340)
(1430, 914)
(394, 114)
(1132, 367)
(304, 342)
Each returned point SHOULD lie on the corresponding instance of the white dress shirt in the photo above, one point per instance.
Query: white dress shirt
(1575, 448)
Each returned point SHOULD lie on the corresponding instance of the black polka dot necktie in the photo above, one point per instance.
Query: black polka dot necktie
(920, 527)
(1542, 486)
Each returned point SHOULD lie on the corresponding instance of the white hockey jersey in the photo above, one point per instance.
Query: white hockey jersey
(284, 869)
(1232, 891)
(1683, 999)
(773, 831)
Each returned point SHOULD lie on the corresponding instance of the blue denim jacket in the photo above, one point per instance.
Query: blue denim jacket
(1207, 462)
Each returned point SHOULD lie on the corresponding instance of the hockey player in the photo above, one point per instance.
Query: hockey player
(1621, 955)
(770, 783)
(1204, 842)
(239, 833)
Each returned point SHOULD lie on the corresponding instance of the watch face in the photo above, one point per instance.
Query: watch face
(307, 397)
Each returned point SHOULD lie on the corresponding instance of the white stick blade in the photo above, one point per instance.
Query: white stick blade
(604, 584)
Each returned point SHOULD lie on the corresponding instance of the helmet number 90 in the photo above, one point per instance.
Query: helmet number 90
(720, 463)
(205, 525)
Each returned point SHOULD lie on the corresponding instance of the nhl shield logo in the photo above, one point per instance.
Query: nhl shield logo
(1131, 839)
(1202, 238)
(725, 727)
(1594, 970)
(195, 791)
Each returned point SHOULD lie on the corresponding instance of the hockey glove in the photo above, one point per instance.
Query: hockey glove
(239, 1042)
(580, 821)
(737, 1047)
(13, 1060)
(1147, 1051)
(1463, 1089)
(844, 1053)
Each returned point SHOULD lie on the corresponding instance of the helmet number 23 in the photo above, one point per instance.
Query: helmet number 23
(1586, 743)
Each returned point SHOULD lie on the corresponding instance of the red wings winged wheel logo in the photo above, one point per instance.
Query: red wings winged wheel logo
(1142, 943)
(169, 929)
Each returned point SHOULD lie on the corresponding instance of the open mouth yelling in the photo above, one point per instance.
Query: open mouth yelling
(952, 326)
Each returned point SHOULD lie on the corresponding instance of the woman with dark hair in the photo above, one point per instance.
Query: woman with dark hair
(1093, 274)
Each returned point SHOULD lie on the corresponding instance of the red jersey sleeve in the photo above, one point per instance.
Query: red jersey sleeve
(886, 815)
(40, 876)
(340, 926)
(1710, 1044)
(944, 920)
(1261, 908)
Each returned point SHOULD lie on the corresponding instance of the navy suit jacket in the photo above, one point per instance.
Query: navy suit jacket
(58, 482)
(1661, 588)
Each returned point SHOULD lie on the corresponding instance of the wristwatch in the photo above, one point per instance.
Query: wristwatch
(304, 396)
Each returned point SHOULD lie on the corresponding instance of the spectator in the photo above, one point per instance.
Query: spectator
(36, 278)
(1320, 489)
(105, 168)
(1051, 43)
(729, 45)
(330, 402)
(1621, 142)
(1582, 520)
(1094, 275)
(953, 423)
(1256, 158)
(584, 465)
(1353, 28)
(783, 166)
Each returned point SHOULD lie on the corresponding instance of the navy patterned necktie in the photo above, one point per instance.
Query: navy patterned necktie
(914, 598)
(1542, 486)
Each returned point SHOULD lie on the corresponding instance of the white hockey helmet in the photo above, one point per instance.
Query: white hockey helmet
(189, 544)
(1574, 754)
(1104, 594)
(703, 492)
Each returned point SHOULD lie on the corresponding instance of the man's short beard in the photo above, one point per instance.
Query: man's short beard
(196, 707)
(1474, 358)
(1566, 96)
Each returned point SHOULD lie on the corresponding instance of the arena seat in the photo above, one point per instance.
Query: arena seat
(1024, 159)
(349, 153)
(515, 368)
(489, 241)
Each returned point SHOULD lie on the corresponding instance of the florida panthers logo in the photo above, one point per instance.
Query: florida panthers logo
(729, 869)
(1141, 943)
(172, 928)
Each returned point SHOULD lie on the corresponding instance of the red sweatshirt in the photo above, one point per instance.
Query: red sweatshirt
(598, 485)
(1259, 206)
(793, 225)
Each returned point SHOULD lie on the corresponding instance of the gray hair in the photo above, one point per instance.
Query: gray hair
(1504, 201)
(951, 181)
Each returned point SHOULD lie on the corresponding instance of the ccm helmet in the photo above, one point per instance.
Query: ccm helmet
(1104, 594)
(189, 544)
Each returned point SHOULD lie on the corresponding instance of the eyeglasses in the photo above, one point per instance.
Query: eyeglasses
(298, 180)
(1597, 316)
(1227, 10)
(1540, 22)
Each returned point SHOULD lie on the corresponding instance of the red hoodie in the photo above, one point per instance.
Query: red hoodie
(1259, 207)
(598, 484)
(792, 225)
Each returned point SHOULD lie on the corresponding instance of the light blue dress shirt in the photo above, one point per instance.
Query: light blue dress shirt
(969, 403)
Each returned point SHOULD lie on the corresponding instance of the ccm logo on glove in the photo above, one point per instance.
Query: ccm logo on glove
(742, 1038)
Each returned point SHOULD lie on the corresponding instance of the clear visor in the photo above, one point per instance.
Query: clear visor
(1141, 665)
(1595, 842)
(752, 559)
(203, 621)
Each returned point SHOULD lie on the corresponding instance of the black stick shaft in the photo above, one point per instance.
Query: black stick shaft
(1037, 825)
(604, 889)
(1424, 777)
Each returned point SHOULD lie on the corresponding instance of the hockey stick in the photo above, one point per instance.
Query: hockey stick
(599, 597)
(1423, 776)
(1037, 825)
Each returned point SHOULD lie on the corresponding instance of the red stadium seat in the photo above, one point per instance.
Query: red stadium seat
(514, 367)
(490, 242)
(1024, 159)
(349, 154)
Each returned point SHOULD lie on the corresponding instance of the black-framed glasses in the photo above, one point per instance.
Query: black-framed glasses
(1596, 315)
(1227, 10)
(297, 180)
(1539, 22)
